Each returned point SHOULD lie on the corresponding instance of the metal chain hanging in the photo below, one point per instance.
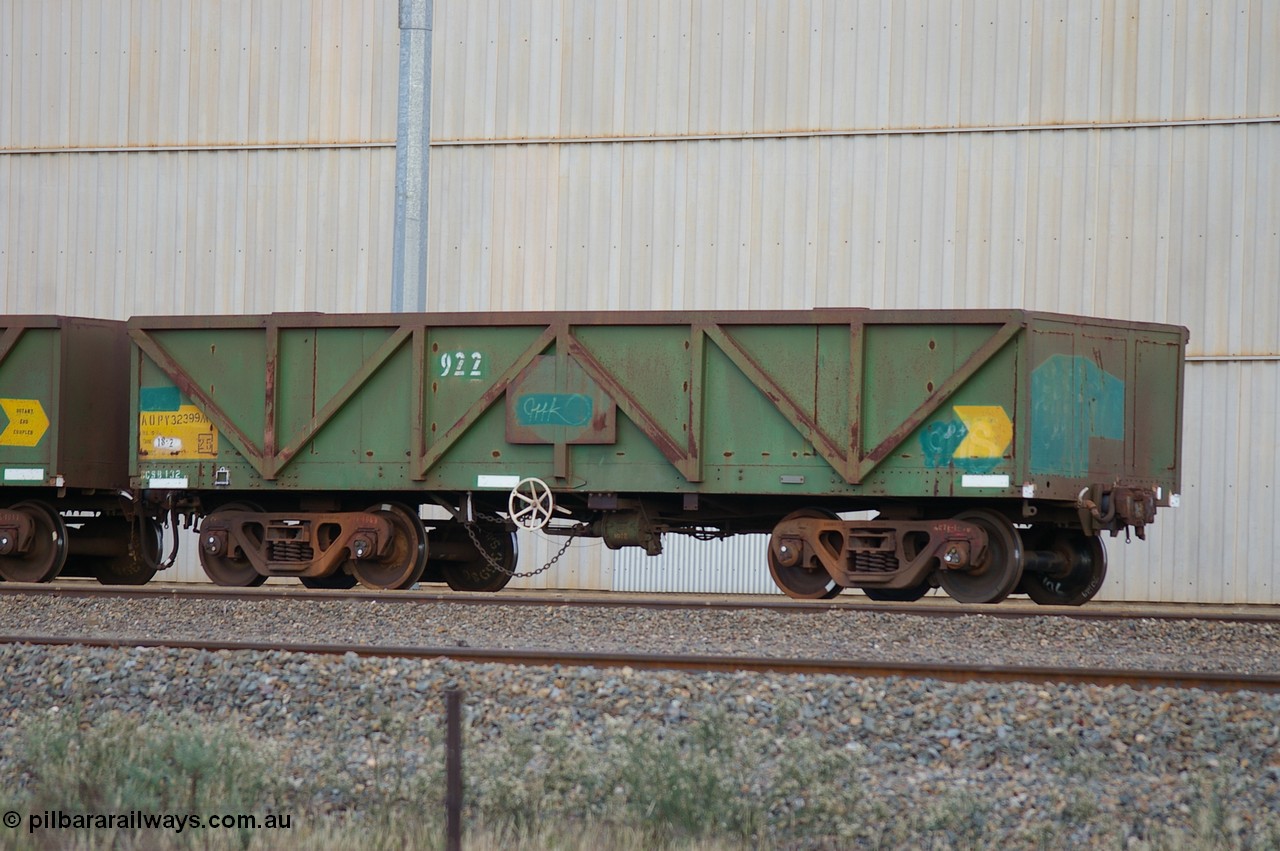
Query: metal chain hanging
(493, 562)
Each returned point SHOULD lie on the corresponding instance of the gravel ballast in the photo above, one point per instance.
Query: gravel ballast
(1149, 644)
(829, 761)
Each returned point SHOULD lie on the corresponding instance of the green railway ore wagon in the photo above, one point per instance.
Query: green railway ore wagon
(64, 428)
(994, 445)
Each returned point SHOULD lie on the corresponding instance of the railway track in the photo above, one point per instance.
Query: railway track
(999, 731)
(939, 607)
(847, 657)
(950, 672)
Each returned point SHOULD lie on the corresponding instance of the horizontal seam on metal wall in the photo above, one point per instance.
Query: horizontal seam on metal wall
(168, 149)
(892, 131)
(692, 137)
(1231, 358)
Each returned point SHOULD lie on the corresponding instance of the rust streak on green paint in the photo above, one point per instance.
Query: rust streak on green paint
(162, 359)
(936, 399)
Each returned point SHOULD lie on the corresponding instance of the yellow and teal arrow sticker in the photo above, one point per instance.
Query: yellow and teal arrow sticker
(27, 422)
(975, 441)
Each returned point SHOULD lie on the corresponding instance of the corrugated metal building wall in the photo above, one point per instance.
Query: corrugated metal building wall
(1114, 157)
(182, 156)
(178, 156)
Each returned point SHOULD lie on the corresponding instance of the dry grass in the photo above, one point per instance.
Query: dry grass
(711, 786)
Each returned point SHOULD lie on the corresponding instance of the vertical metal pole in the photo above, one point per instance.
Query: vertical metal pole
(413, 158)
(453, 770)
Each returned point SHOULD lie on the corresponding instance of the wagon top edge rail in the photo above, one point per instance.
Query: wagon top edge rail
(820, 315)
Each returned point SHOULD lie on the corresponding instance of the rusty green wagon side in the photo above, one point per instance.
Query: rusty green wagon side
(995, 445)
(64, 424)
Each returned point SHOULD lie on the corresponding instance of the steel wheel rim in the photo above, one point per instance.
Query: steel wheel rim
(476, 574)
(1087, 556)
(404, 565)
(125, 570)
(800, 582)
(226, 571)
(48, 552)
(1000, 571)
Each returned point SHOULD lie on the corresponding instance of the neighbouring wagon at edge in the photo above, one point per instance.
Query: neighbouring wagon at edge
(65, 507)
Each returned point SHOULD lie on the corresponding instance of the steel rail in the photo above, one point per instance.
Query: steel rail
(861, 668)
(1010, 610)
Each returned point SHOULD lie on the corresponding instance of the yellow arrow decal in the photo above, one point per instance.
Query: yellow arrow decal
(27, 422)
(990, 431)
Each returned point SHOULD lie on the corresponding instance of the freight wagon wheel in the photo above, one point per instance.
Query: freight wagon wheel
(134, 566)
(224, 569)
(404, 564)
(804, 582)
(48, 552)
(475, 573)
(995, 577)
(1086, 558)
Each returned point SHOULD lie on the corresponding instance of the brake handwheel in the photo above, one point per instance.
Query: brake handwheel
(531, 504)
